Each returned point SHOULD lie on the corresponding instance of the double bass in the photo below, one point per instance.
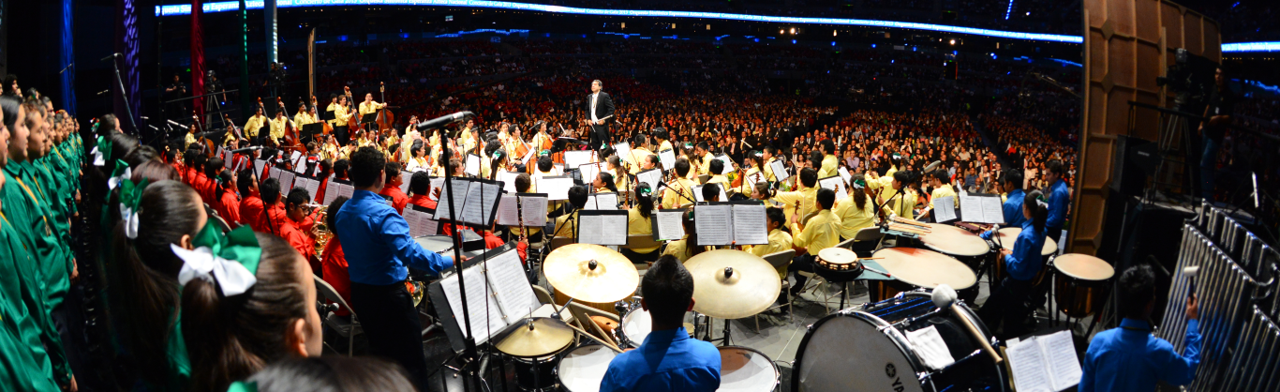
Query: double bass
(326, 129)
(386, 120)
(291, 138)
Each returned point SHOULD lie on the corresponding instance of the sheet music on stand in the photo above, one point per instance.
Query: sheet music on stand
(460, 187)
(844, 173)
(436, 183)
(405, 178)
(274, 172)
(651, 177)
(667, 158)
(779, 170)
(623, 150)
(473, 165)
(1044, 363)
(575, 158)
(342, 188)
(508, 179)
(754, 179)
(980, 208)
(226, 155)
(589, 171)
(733, 223)
(498, 295)
(602, 227)
(697, 193)
(313, 187)
(258, 164)
(556, 187)
(944, 209)
(298, 161)
(286, 182)
(602, 201)
(728, 163)
(534, 209)
(667, 224)
(835, 183)
(476, 199)
(420, 222)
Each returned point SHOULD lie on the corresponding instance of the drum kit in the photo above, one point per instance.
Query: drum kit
(728, 284)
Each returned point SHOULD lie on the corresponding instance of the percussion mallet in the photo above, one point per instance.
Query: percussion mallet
(1191, 273)
(944, 297)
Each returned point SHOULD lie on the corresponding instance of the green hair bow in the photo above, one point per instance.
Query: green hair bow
(102, 150)
(130, 196)
(230, 260)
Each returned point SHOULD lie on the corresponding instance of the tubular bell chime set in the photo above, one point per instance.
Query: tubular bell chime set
(1239, 306)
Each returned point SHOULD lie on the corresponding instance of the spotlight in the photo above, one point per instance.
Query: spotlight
(953, 42)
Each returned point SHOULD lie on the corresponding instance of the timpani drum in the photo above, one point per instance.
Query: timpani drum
(1006, 238)
(915, 267)
(746, 370)
(867, 349)
(959, 243)
(582, 369)
(1079, 283)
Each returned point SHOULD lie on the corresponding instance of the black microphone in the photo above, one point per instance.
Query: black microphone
(246, 149)
(440, 122)
(112, 56)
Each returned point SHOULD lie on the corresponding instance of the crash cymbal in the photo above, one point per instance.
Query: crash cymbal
(591, 273)
(838, 256)
(732, 284)
(1009, 235)
(925, 268)
(536, 337)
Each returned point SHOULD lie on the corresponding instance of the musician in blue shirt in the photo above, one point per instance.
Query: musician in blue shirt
(1008, 303)
(1059, 199)
(379, 252)
(1011, 183)
(668, 360)
(1128, 358)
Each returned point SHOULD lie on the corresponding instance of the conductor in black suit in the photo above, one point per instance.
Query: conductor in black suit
(600, 111)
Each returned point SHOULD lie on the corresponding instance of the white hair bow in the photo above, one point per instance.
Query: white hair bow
(231, 276)
(130, 217)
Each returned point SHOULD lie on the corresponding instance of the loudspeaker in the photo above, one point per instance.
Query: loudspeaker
(1135, 159)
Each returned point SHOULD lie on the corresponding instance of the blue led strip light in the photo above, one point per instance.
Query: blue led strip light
(1251, 47)
(185, 9)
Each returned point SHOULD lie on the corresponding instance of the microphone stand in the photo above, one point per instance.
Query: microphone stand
(123, 95)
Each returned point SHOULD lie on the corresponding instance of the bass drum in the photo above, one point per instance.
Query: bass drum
(867, 350)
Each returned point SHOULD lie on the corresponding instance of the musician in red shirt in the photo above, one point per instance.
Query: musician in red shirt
(228, 205)
(420, 186)
(251, 206)
(279, 224)
(334, 264)
(392, 187)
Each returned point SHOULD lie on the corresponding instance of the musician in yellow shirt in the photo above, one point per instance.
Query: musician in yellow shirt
(341, 118)
(369, 106)
(768, 156)
(800, 202)
(821, 232)
(856, 212)
(681, 192)
(278, 127)
(304, 116)
(830, 164)
(779, 239)
(716, 167)
(703, 158)
(257, 121)
(752, 175)
(941, 188)
(660, 135)
(902, 201)
(639, 222)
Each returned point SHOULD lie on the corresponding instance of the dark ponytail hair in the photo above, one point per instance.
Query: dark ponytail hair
(231, 338)
(644, 200)
(143, 289)
(775, 214)
(1039, 213)
(607, 179)
(332, 373)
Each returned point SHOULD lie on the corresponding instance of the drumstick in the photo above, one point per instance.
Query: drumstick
(886, 274)
(593, 337)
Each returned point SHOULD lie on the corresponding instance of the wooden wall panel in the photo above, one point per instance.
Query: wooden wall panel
(1128, 43)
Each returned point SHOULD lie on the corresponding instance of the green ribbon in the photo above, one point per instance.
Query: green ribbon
(130, 196)
(240, 245)
(243, 386)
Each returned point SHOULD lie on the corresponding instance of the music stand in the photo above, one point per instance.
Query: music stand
(309, 132)
(327, 115)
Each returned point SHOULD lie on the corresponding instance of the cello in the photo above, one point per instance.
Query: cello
(291, 138)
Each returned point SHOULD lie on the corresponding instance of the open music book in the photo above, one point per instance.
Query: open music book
(944, 209)
(503, 299)
(420, 222)
(472, 167)
(602, 201)
(476, 201)
(733, 223)
(589, 171)
(532, 205)
(1044, 363)
(978, 208)
(556, 187)
(697, 192)
(651, 177)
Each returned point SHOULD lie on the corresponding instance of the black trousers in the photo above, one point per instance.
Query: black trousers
(391, 323)
(342, 135)
(1008, 303)
(800, 263)
(600, 136)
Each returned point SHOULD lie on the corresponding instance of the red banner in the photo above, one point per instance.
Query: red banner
(197, 59)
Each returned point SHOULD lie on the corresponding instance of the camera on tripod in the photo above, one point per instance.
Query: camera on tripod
(278, 74)
(1191, 79)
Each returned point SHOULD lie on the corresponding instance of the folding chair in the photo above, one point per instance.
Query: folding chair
(347, 329)
(865, 242)
(779, 260)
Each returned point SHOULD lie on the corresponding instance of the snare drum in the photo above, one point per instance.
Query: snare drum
(535, 377)
(915, 267)
(867, 350)
(582, 369)
(637, 325)
(1080, 282)
(746, 370)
